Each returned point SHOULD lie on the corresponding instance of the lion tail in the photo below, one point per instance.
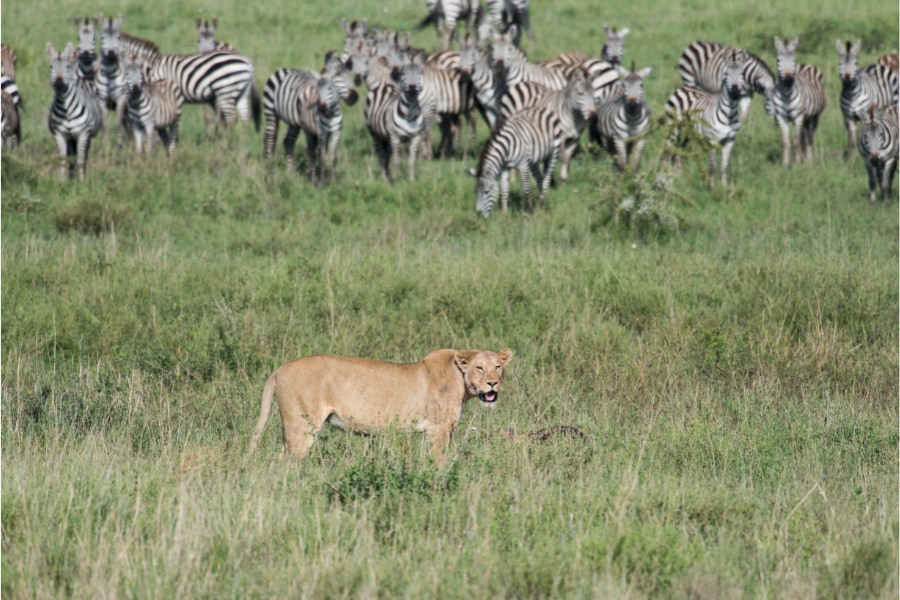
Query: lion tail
(264, 410)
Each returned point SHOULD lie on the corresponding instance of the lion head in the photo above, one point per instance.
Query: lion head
(483, 373)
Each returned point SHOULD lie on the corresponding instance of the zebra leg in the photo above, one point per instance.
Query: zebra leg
(566, 152)
(173, 137)
(504, 190)
(62, 146)
(120, 119)
(413, 149)
(636, 152)
(850, 123)
(621, 154)
(726, 155)
(138, 131)
(711, 168)
(785, 141)
(312, 153)
(744, 107)
(331, 157)
(84, 147)
(548, 174)
(873, 178)
(810, 131)
(270, 135)
(887, 179)
(525, 173)
(289, 140)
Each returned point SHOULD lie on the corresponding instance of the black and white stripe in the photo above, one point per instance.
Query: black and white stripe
(223, 80)
(573, 106)
(514, 66)
(512, 16)
(614, 48)
(87, 53)
(354, 32)
(394, 114)
(702, 65)
(623, 121)
(206, 37)
(526, 141)
(304, 102)
(11, 99)
(714, 115)
(451, 97)
(861, 88)
(444, 15)
(9, 125)
(878, 144)
(153, 107)
(489, 87)
(75, 115)
(891, 61)
(799, 98)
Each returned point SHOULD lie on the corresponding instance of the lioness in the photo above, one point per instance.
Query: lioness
(364, 395)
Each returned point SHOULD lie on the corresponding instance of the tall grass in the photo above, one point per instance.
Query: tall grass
(732, 357)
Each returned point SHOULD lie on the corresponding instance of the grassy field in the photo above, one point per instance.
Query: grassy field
(732, 357)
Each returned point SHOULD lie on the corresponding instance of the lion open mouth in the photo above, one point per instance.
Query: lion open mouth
(488, 398)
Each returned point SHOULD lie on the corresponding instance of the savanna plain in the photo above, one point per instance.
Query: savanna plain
(730, 356)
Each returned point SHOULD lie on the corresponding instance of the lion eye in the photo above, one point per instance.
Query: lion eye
(479, 369)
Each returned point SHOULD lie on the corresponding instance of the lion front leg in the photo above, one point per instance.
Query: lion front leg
(440, 441)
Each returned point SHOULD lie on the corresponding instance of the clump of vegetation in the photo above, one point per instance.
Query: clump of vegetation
(91, 215)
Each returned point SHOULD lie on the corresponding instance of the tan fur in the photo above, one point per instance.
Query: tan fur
(362, 395)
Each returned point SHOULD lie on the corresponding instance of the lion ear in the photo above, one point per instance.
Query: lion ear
(462, 358)
(505, 357)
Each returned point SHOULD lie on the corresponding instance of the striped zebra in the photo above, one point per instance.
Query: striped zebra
(444, 14)
(614, 47)
(206, 37)
(573, 106)
(514, 66)
(716, 116)
(702, 64)
(623, 121)
(891, 61)
(87, 54)
(512, 16)
(223, 80)
(489, 88)
(799, 98)
(878, 145)
(528, 140)
(9, 125)
(75, 116)
(394, 115)
(293, 96)
(861, 88)
(447, 97)
(354, 32)
(152, 107)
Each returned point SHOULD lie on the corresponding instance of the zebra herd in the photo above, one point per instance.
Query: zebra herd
(536, 111)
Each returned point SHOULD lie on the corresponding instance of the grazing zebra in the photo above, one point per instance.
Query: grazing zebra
(715, 115)
(875, 85)
(512, 16)
(878, 145)
(393, 115)
(524, 142)
(623, 121)
(153, 106)
(9, 127)
(514, 66)
(223, 80)
(294, 97)
(891, 61)
(799, 98)
(614, 47)
(451, 11)
(489, 88)
(75, 116)
(702, 64)
(573, 106)
(206, 37)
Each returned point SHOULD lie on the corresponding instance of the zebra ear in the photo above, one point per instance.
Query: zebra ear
(623, 72)
(215, 23)
(840, 46)
(644, 72)
(198, 23)
(793, 44)
(513, 32)
(623, 32)
(856, 46)
(50, 50)
(779, 45)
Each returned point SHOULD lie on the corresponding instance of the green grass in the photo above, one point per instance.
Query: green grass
(734, 368)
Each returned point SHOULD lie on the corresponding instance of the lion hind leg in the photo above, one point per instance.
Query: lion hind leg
(300, 434)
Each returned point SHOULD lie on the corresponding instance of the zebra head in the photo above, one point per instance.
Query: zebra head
(409, 77)
(337, 73)
(206, 35)
(357, 61)
(505, 53)
(486, 191)
(615, 44)
(62, 67)
(733, 81)
(353, 33)
(87, 55)
(633, 86)
(468, 54)
(579, 95)
(134, 77)
(786, 61)
(848, 64)
(109, 39)
(329, 103)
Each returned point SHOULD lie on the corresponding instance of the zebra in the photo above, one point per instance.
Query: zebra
(354, 32)
(223, 80)
(75, 116)
(451, 11)
(715, 115)
(512, 16)
(292, 95)
(87, 54)
(206, 37)
(152, 106)
(623, 121)
(526, 141)
(489, 87)
(446, 96)
(799, 98)
(860, 88)
(515, 66)
(9, 127)
(702, 63)
(614, 47)
(394, 114)
(573, 106)
(878, 145)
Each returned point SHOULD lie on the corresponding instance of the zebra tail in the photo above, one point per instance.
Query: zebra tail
(255, 104)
